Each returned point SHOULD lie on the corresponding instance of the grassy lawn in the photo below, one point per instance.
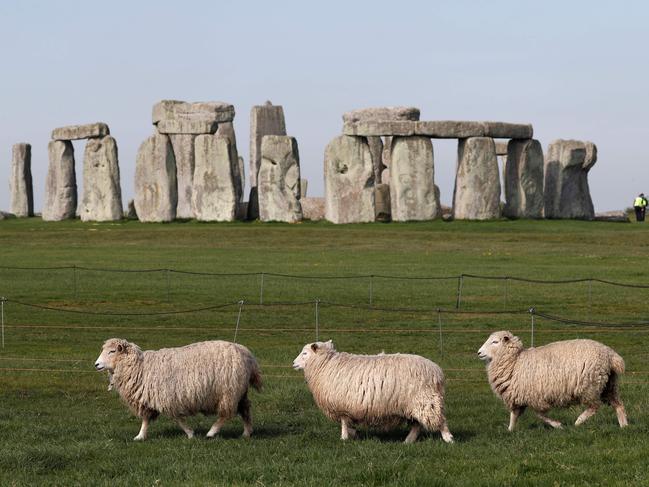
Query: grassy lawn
(60, 426)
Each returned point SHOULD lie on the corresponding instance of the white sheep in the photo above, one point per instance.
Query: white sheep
(555, 375)
(208, 377)
(375, 390)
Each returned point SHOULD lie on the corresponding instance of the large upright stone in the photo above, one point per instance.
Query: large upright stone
(75, 132)
(376, 150)
(214, 196)
(102, 193)
(349, 181)
(265, 119)
(22, 192)
(61, 183)
(524, 179)
(156, 189)
(278, 181)
(566, 190)
(226, 129)
(183, 147)
(382, 202)
(477, 182)
(412, 180)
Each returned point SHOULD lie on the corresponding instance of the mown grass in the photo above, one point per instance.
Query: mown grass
(59, 425)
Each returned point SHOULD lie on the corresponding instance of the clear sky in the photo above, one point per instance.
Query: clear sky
(573, 69)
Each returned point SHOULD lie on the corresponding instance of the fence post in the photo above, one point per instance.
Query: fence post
(236, 329)
(532, 311)
(2, 319)
(168, 290)
(460, 281)
(371, 289)
(506, 286)
(441, 342)
(590, 299)
(74, 280)
(317, 320)
(261, 289)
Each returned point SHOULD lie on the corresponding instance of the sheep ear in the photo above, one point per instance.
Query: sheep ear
(120, 348)
(505, 338)
(314, 347)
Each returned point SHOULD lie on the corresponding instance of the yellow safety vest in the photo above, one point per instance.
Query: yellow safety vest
(639, 201)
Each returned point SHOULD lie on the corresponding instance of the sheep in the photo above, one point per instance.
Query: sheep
(375, 390)
(208, 377)
(559, 374)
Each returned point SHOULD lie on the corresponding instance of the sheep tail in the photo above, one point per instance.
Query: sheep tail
(255, 377)
(617, 364)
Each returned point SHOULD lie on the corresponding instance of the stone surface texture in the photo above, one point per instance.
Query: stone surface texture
(20, 185)
(75, 132)
(265, 119)
(214, 196)
(523, 179)
(477, 182)
(349, 181)
(156, 188)
(304, 186)
(313, 208)
(566, 190)
(226, 130)
(188, 127)
(382, 113)
(102, 194)
(439, 129)
(412, 180)
(382, 202)
(182, 111)
(278, 182)
(183, 147)
(60, 202)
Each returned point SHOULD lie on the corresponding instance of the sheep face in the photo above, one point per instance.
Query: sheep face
(497, 343)
(310, 350)
(110, 352)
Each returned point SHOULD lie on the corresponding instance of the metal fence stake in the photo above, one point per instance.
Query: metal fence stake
(317, 320)
(506, 286)
(532, 311)
(236, 329)
(168, 285)
(460, 281)
(74, 280)
(371, 289)
(441, 342)
(261, 289)
(590, 299)
(2, 314)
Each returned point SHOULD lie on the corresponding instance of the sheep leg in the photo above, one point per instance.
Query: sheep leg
(216, 427)
(188, 431)
(591, 410)
(414, 433)
(347, 431)
(620, 412)
(141, 436)
(555, 424)
(513, 416)
(244, 411)
(446, 434)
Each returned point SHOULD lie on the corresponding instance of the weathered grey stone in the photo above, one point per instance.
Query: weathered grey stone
(382, 203)
(241, 183)
(385, 175)
(349, 181)
(477, 183)
(186, 127)
(313, 208)
(102, 193)
(183, 147)
(387, 151)
(176, 110)
(382, 113)
(265, 119)
(376, 150)
(304, 185)
(439, 129)
(620, 216)
(412, 180)
(226, 129)
(524, 179)
(242, 210)
(131, 213)
(75, 132)
(501, 148)
(566, 190)
(4, 215)
(61, 183)
(214, 196)
(156, 188)
(278, 181)
(22, 191)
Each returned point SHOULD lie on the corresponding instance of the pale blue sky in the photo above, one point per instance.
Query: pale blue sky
(572, 69)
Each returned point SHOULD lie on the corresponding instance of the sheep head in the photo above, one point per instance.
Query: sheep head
(310, 350)
(499, 343)
(112, 351)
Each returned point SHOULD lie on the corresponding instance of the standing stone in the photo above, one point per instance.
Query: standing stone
(156, 189)
(349, 181)
(265, 119)
(102, 194)
(412, 180)
(22, 192)
(566, 190)
(524, 179)
(376, 150)
(226, 130)
(131, 213)
(278, 181)
(183, 147)
(477, 182)
(313, 208)
(214, 197)
(61, 182)
(382, 202)
(304, 185)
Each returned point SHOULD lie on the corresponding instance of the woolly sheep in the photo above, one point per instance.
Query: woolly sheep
(208, 377)
(375, 390)
(555, 375)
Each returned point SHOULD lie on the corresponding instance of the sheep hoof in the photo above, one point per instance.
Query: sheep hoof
(190, 435)
(211, 435)
(139, 438)
(448, 437)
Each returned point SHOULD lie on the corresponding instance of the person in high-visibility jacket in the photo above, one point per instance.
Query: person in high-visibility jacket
(640, 206)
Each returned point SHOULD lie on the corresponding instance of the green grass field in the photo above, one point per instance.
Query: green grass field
(60, 426)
